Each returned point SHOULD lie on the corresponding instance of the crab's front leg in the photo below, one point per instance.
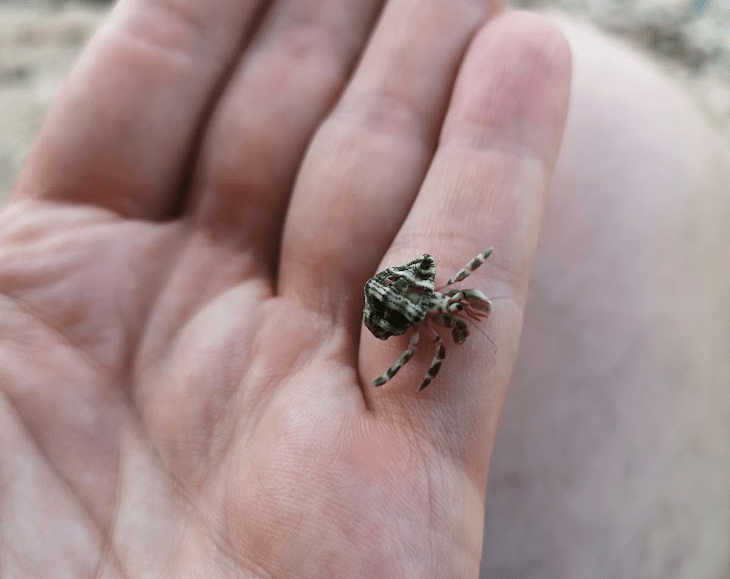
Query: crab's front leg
(458, 327)
(471, 301)
(400, 362)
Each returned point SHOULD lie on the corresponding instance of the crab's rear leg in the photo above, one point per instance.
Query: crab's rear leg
(437, 359)
(400, 362)
(465, 271)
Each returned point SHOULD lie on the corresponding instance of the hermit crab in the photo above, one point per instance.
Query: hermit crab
(404, 296)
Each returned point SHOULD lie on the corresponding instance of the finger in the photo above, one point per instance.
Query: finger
(486, 186)
(123, 127)
(367, 161)
(293, 71)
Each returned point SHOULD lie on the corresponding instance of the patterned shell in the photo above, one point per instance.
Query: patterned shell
(399, 297)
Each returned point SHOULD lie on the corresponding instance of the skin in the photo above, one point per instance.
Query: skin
(613, 449)
(185, 378)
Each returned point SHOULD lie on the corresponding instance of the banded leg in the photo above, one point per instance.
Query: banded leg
(458, 327)
(400, 362)
(473, 301)
(464, 272)
(453, 304)
(437, 359)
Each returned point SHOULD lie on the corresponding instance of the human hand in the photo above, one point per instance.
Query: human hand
(185, 377)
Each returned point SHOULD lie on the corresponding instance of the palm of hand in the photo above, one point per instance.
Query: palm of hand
(237, 431)
(178, 395)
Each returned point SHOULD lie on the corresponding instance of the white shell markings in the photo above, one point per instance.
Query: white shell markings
(404, 296)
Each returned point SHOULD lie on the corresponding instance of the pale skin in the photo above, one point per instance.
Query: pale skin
(613, 448)
(185, 379)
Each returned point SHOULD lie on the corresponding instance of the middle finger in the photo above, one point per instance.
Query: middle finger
(367, 161)
(293, 70)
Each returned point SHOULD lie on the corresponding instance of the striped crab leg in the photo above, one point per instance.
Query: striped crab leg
(464, 272)
(400, 362)
(437, 359)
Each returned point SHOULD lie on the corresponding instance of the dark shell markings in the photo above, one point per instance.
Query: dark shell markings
(404, 296)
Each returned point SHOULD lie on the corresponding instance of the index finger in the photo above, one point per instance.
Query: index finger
(485, 187)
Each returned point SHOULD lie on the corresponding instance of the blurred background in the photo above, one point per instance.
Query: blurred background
(40, 40)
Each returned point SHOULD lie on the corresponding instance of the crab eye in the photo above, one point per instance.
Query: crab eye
(390, 280)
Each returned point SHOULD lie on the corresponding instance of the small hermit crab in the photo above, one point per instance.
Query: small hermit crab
(404, 296)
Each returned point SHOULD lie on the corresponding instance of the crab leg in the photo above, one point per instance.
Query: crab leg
(464, 272)
(458, 327)
(400, 362)
(436, 362)
(472, 302)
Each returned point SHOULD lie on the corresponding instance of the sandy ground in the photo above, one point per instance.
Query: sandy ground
(39, 42)
(41, 39)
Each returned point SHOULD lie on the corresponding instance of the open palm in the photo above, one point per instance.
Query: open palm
(186, 385)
